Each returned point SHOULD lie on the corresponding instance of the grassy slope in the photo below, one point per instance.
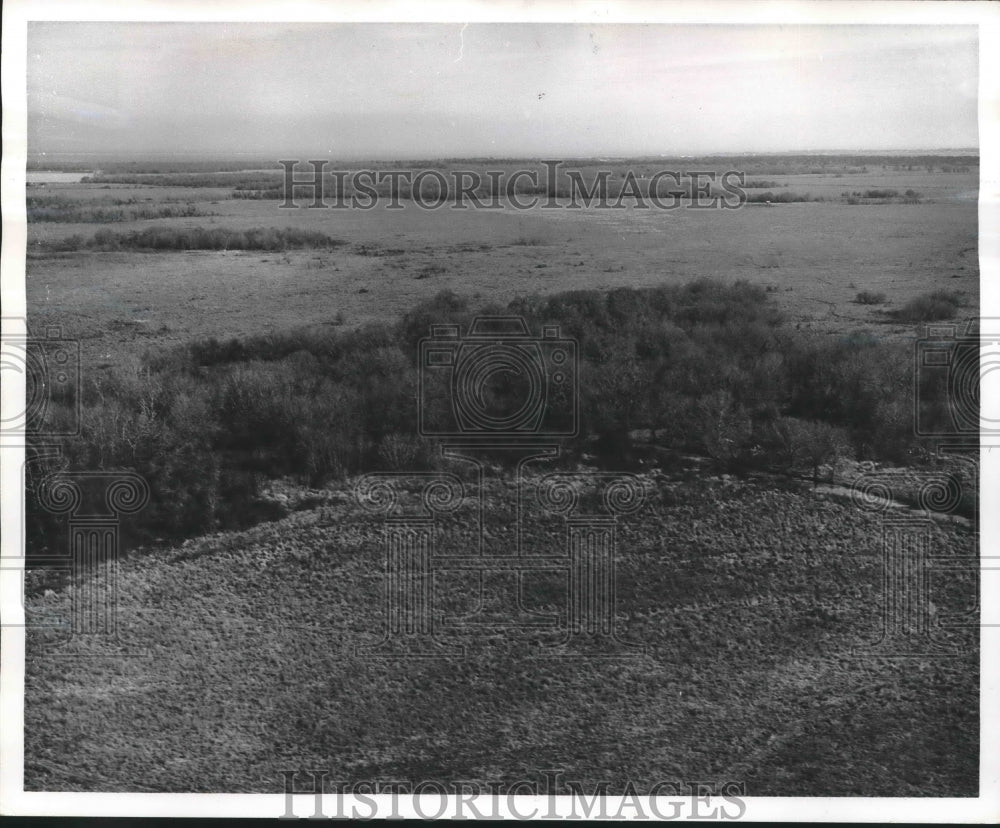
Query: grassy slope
(749, 601)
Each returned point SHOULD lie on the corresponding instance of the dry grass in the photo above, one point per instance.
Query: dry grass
(748, 620)
(813, 253)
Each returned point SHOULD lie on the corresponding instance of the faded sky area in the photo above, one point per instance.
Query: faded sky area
(398, 91)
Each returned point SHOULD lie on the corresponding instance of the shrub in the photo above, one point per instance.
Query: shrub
(881, 193)
(779, 198)
(726, 426)
(399, 452)
(197, 238)
(870, 297)
(931, 307)
(445, 307)
(64, 210)
(810, 442)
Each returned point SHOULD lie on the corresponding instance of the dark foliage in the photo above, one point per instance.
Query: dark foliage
(195, 238)
(931, 307)
(704, 367)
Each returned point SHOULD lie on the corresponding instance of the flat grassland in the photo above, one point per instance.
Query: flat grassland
(815, 256)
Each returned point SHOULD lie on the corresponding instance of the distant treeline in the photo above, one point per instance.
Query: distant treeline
(780, 198)
(882, 196)
(74, 211)
(819, 161)
(269, 183)
(187, 179)
(153, 166)
(193, 238)
(830, 163)
(705, 368)
(874, 196)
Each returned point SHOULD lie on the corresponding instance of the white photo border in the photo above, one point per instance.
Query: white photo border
(16, 14)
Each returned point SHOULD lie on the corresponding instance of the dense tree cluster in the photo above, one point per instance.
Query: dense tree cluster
(702, 368)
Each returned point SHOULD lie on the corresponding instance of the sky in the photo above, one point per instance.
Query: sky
(398, 91)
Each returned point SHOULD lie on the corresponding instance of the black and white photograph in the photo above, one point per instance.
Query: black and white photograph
(558, 410)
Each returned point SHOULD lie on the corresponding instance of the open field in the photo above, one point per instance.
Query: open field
(814, 256)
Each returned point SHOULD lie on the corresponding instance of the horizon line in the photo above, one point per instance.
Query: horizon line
(214, 155)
